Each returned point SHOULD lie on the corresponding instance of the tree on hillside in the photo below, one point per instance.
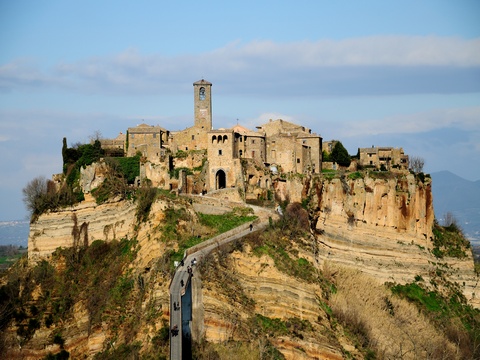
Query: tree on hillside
(417, 163)
(340, 155)
(34, 193)
(325, 156)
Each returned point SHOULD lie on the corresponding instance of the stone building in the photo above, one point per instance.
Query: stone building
(389, 157)
(114, 147)
(148, 140)
(223, 161)
(284, 145)
(195, 137)
(292, 147)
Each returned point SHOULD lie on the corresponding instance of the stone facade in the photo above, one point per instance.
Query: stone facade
(114, 147)
(389, 157)
(288, 147)
(150, 141)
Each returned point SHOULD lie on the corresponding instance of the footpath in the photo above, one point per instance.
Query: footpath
(181, 319)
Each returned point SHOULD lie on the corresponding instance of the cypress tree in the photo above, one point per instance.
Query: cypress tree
(340, 155)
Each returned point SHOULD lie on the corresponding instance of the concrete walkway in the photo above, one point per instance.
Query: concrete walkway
(180, 289)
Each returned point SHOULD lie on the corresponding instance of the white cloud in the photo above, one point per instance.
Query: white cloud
(463, 118)
(380, 64)
(367, 51)
(265, 117)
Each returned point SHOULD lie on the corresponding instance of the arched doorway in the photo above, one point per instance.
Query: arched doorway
(220, 180)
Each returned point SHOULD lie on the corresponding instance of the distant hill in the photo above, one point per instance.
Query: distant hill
(461, 197)
(14, 232)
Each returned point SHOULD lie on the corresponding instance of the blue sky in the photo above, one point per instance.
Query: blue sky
(383, 73)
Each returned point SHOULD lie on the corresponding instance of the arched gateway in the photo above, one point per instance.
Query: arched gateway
(220, 180)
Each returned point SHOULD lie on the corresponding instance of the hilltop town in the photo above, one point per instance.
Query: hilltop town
(276, 147)
(303, 251)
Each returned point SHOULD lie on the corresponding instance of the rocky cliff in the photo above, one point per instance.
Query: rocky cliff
(383, 226)
(379, 224)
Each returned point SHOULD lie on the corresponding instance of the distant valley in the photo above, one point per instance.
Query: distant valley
(14, 233)
(461, 197)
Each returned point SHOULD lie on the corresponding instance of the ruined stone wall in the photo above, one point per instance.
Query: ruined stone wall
(158, 174)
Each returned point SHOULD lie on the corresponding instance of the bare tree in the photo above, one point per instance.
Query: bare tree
(417, 163)
(97, 135)
(34, 193)
(449, 219)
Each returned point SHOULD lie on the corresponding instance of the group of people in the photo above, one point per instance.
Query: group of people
(174, 330)
(176, 305)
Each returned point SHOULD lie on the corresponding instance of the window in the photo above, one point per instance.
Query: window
(193, 137)
(154, 136)
(253, 141)
(202, 93)
(298, 160)
(214, 138)
(241, 153)
(220, 152)
(253, 154)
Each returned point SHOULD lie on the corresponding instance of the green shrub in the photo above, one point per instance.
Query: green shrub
(174, 173)
(355, 175)
(225, 222)
(129, 167)
(145, 197)
(449, 241)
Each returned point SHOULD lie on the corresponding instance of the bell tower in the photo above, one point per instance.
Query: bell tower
(202, 93)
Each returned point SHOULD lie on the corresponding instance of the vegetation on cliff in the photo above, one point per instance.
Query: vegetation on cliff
(96, 278)
(447, 308)
(449, 241)
(373, 320)
(41, 195)
(100, 291)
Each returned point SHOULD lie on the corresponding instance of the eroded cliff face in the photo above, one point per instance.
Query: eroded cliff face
(305, 315)
(383, 227)
(380, 226)
(379, 223)
(237, 288)
(80, 226)
(138, 316)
